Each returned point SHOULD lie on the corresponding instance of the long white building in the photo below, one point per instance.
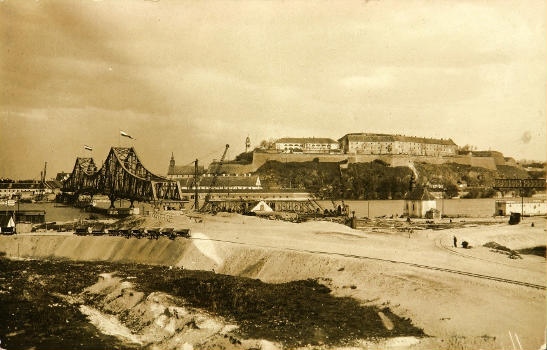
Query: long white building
(306, 145)
(367, 143)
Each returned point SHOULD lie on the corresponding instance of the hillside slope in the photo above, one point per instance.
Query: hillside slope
(377, 180)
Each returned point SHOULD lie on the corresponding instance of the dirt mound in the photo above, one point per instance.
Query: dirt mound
(169, 308)
(498, 248)
(155, 320)
(294, 313)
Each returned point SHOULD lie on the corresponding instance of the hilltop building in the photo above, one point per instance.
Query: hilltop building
(385, 144)
(306, 145)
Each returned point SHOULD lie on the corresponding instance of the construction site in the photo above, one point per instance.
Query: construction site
(200, 269)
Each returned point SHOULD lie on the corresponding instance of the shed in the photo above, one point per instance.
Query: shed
(418, 202)
(261, 207)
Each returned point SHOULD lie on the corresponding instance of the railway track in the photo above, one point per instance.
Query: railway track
(438, 244)
(421, 266)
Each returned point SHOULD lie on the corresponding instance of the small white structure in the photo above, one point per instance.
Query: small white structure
(418, 203)
(531, 207)
(7, 223)
(262, 207)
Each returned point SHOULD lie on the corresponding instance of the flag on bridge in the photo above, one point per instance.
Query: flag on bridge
(88, 148)
(124, 134)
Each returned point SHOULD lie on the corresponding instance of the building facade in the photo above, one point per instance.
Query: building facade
(306, 145)
(21, 189)
(529, 207)
(384, 144)
(222, 183)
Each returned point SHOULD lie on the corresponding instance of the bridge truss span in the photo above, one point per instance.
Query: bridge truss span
(122, 176)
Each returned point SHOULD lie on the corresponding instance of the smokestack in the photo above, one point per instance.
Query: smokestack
(414, 177)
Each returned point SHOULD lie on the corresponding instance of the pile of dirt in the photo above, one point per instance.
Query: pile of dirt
(498, 248)
(155, 320)
(295, 313)
(34, 318)
(164, 307)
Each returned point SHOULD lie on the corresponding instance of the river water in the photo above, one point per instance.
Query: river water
(483, 207)
(54, 211)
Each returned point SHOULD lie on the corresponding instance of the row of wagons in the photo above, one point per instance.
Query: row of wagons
(152, 233)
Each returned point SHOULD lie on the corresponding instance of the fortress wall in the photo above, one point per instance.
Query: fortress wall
(397, 160)
(485, 162)
(260, 158)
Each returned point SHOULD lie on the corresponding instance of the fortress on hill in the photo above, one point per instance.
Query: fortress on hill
(395, 150)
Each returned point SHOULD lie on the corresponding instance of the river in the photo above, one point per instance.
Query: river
(483, 207)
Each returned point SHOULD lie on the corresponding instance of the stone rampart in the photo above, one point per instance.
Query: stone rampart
(259, 158)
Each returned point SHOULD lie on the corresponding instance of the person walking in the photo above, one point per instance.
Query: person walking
(455, 242)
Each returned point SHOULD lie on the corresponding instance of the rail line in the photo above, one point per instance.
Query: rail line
(438, 244)
(363, 257)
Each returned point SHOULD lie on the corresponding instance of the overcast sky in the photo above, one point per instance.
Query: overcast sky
(190, 76)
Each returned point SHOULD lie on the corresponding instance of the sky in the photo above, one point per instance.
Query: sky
(188, 77)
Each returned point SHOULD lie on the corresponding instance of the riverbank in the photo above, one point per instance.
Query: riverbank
(459, 297)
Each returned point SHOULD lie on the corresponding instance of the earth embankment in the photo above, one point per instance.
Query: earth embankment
(374, 268)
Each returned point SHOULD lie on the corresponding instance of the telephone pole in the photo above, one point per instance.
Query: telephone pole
(196, 178)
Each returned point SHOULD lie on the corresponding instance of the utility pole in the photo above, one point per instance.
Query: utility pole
(196, 201)
(522, 199)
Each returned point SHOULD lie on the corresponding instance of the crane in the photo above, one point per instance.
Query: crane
(214, 180)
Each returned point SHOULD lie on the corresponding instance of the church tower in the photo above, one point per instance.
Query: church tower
(172, 164)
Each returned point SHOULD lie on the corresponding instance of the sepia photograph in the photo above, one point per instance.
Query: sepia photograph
(273, 174)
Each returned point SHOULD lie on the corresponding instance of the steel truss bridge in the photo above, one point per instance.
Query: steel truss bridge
(504, 184)
(122, 176)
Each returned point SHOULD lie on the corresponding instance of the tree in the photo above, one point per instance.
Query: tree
(267, 144)
(245, 157)
(451, 190)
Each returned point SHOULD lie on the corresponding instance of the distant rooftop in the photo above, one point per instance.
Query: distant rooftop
(20, 185)
(305, 140)
(224, 181)
(184, 170)
(419, 194)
